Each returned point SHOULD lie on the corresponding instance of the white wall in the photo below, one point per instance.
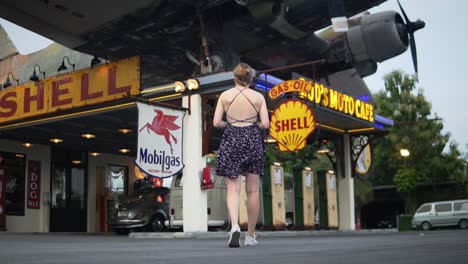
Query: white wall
(346, 190)
(194, 199)
(34, 220)
(37, 220)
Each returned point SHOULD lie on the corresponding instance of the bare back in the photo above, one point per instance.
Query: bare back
(242, 106)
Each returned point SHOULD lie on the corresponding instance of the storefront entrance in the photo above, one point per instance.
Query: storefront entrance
(68, 191)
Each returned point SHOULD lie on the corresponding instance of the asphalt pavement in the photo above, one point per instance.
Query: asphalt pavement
(439, 246)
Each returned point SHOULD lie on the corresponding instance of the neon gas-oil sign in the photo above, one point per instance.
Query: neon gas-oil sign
(326, 97)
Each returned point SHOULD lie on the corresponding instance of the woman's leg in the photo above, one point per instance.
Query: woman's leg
(252, 187)
(232, 199)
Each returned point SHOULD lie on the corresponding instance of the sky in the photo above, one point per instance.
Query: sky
(442, 48)
(442, 58)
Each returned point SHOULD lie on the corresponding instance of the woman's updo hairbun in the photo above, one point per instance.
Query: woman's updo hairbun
(243, 74)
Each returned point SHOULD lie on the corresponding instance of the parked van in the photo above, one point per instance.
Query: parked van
(216, 202)
(436, 214)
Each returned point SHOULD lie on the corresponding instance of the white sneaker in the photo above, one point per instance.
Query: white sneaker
(234, 237)
(250, 241)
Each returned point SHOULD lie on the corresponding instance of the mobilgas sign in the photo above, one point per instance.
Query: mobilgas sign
(159, 140)
(90, 86)
(320, 94)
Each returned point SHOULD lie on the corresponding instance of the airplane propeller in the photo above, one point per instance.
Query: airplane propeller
(409, 28)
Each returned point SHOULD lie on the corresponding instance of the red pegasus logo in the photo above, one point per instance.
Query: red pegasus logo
(161, 125)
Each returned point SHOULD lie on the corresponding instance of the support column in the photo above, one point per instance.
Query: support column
(346, 188)
(194, 199)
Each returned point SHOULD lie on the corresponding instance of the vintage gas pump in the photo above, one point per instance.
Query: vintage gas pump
(208, 178)
(278, 197)
(308, 197)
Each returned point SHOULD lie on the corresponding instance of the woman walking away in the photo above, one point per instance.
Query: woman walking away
(242, 150)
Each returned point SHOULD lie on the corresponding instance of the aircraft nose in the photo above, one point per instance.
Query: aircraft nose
(418, 24)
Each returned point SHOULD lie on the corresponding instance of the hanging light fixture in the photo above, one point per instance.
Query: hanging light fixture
(404, 152)
(179, 87)
(95, 153)
(63, 67)
(323, 148)
(8, 83)
(34, 76)
(192, 84)
(95, 61)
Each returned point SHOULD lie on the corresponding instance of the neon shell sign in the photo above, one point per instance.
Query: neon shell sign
(291, 123)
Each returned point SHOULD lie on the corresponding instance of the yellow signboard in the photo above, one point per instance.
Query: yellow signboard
(325, 96)
(364, 160)
(291, 124)
(90, 86)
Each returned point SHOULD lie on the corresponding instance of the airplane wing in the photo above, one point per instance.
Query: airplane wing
(164, 32)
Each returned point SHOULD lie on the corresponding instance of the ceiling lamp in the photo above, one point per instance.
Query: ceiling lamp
(8, 83)
(124, 150)
(88, 136)
(63, 67)
(34, 76)
(27, 144)
(95, 154)
(76, 162)
(124, 130)
(56, 140)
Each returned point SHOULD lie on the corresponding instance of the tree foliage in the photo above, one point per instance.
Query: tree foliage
(291, 160)
(417, 130)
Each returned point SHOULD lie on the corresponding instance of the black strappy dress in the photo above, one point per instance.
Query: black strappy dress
(242, 149)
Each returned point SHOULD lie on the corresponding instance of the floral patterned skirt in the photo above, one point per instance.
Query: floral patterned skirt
(241, 151)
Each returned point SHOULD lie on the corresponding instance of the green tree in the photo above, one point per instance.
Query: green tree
(417, 130)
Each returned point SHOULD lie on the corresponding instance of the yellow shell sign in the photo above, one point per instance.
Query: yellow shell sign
(291, 124)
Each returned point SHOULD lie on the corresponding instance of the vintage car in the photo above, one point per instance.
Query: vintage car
(147, 210)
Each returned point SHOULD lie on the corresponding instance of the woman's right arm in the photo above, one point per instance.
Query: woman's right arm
(264, 119)
(219, 112)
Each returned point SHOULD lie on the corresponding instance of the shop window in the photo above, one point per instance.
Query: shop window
(14, 167)
(58, 186)
(211, 136)
(117, 183)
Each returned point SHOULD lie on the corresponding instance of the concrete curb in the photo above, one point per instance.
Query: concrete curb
(206, 235)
